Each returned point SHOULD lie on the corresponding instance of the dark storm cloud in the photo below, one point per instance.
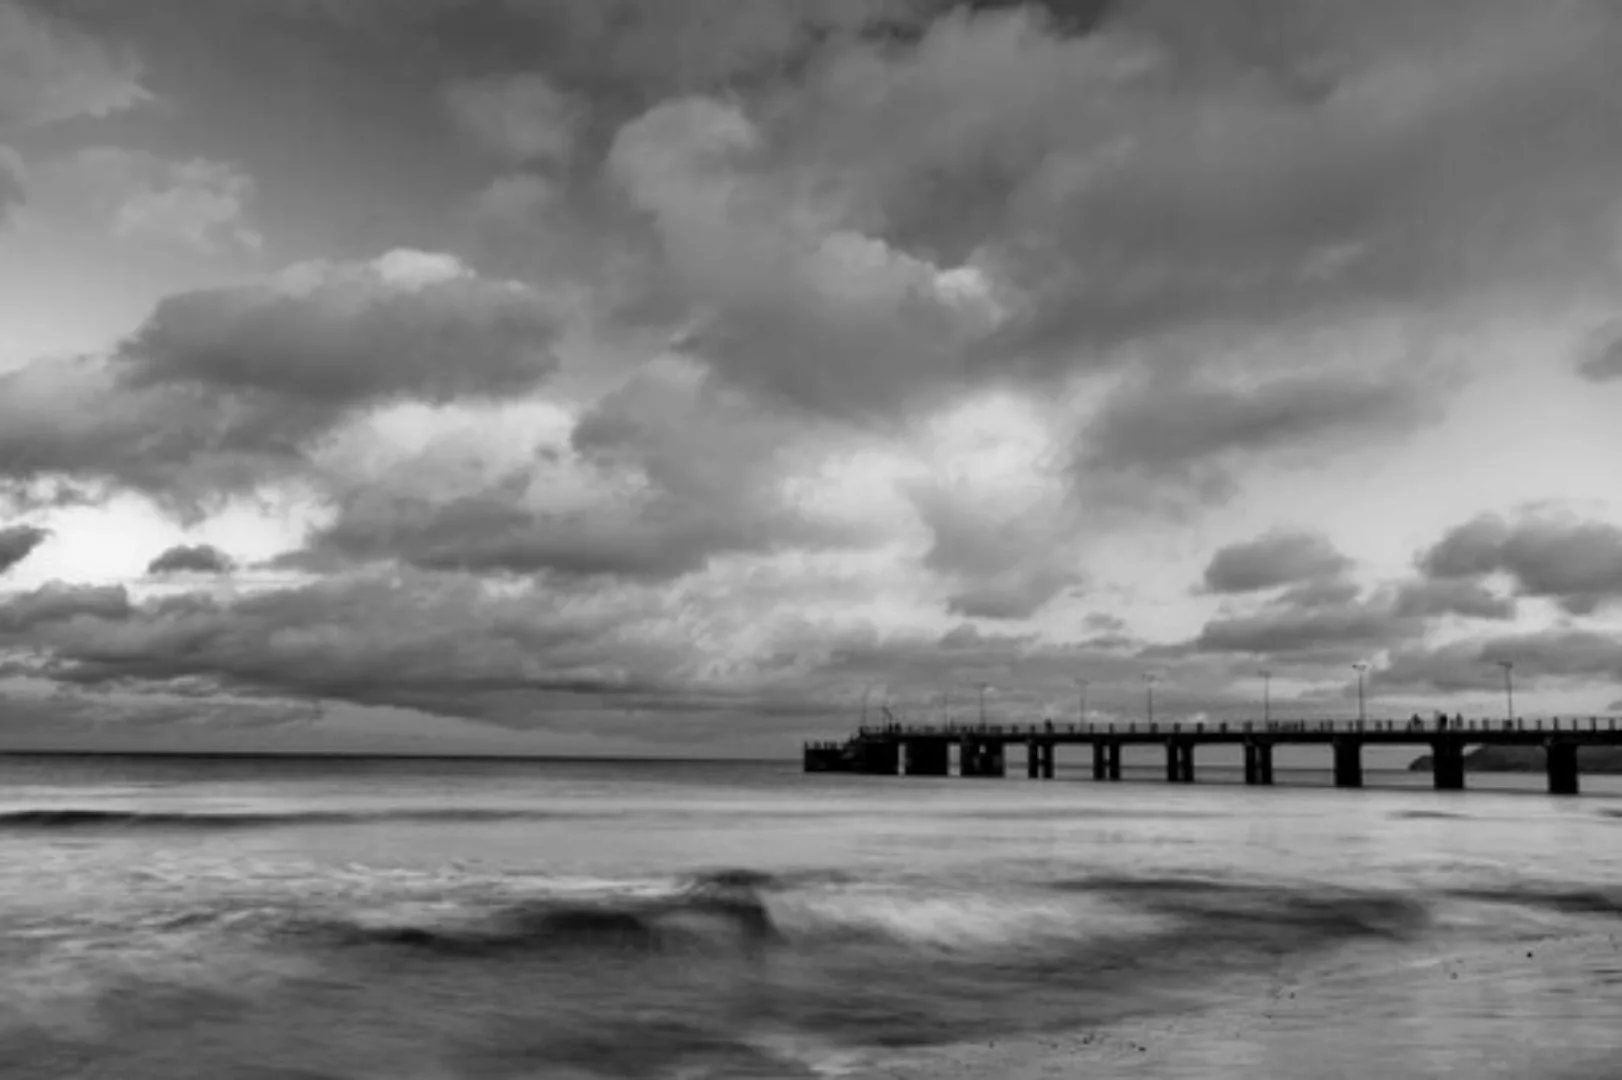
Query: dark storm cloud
(191, 559)
(17, 542)
(1277, 558)
(648, 49)
(52, 70)
(1171, 429)
(1324, 166)
(1452, 596)
(1576, 563)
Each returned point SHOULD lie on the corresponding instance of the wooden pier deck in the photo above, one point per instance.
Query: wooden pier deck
(983, 750)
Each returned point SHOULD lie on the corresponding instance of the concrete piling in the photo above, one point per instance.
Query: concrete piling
(1447, 763)
(1348, 763)
(1562, 765)
(927, 757)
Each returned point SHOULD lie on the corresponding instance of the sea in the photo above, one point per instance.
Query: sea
(337, 919)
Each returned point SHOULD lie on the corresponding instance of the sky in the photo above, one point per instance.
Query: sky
(632, 377)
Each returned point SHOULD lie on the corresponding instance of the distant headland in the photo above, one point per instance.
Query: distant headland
(1591, 759)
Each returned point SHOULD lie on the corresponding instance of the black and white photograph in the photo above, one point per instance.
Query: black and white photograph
(810, 539)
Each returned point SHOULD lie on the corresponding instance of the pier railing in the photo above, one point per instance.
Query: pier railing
(1574, 724)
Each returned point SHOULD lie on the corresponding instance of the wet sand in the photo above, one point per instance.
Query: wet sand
(1436, 1015)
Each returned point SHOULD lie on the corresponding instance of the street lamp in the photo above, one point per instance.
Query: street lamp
(1361, 669)
(1149, 694)
(1081, 703)
(1509, 686)
(983, 687)
(1267, 695)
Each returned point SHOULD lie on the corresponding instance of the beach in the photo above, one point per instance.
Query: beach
(420, 920)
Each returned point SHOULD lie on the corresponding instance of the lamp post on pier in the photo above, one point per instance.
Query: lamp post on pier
(867, 693)
(1509, 687)
(1267, 695)
(983, 688)
(1362, 670)
(1149, 679)
(1081, 700)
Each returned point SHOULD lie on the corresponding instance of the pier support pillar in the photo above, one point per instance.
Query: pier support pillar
(879, 758)
(1106, 760)
(1348, 763)
(1049, 752)
(1447, 764)
(1258, 763)
(983, 759)
(927, 757)
(1033, 760)
(1563, 772)
(1179, 762)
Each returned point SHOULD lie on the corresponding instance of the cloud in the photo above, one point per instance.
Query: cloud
(1295, 185)
(58, 603)
(1560, 557)
(445, 644)
(1560, 656)
(50, 70)
(1604, 363)
(788, 302)
(191, 559)
(1003, 551)
(1433, 598)
(658, 50)
(12, 190)
(199, 203)
(409, 325)
(222, 389)
(1170, 431)
(521, 117)
(1277, 558)
(656, 478)
(1320, 634)
(17, 542)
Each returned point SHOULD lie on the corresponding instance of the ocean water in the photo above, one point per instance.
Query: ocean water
(419, 920)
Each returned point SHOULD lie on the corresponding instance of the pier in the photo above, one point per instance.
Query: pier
(982, 750)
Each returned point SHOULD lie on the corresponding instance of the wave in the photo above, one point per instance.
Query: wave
(835, 958)
(1223, 908)
(44, 819)
(1568, 901)
(1426, 815)
(723, 909)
